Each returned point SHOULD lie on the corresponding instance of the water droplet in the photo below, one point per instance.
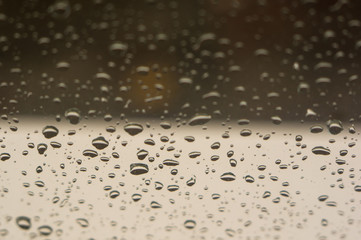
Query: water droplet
(190, 224)
(249, 179)
(319, 150)
(114, 194)
(316, 129)
(133, 128)
(172, 188)
(170, 162)
(73, 115)
(100, 143)
(42, 148)
(142, 154)
(155, 204)
(45, 230)
(357, 188)
(23, 222)
(228, 176)
(4, 156)
(82, 222)
(246, 132)
(138, 168)
(194, 154)
(136, 197)
(334, 126)
(90, 153)
(50, 131)
(199, 120)
(189, 138)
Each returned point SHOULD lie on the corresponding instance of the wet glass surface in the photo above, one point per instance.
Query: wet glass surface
(202, 119)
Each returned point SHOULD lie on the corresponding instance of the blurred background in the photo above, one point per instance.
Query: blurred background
(234, 58)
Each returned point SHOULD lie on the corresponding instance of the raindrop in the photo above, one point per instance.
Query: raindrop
(133, 128)
(334, 126)
(138, 168)
(246, 132)
(55, 144)
(189, 138)
(170, 162)
(191, 182)
(155, 204)
(114, 194)
(42, 148)
(100, 143)
(199, 120)
(194, 154)
(23, 222)
(136, 197)
(50, 131)
(4, 156)
(90, 153)
(172, 188)
(321, 150)
(316, 129)
(45, 230)
(249, 179)
(190, 224)
(228, 176)
(82, 222)
(142, 154)
(73, 115)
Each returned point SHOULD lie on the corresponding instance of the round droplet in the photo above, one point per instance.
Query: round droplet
(82, 222)
(45, 230)
(199, 120)
(155, 204)
(334, 126)
(138, 168)
(23, 222)
(246, 132)
(316, 129)
(136, 197)
(357, 188)
(191, 182)
(142, 154)
(42, 148)
(55, 144)
(249, 179)
(215, 145)
(172, 188)
(194, 154)
(228, 176)
(114, 194)
(100, 143)
(133, 128)
(50, 131)
(299, 138)
(4, 156)
(190, 224)
(170, 162)
(321, 150)
(73, 115)
(189, 138)
(90, 153)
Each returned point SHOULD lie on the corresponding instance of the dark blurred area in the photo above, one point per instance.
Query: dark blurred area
(229, 59)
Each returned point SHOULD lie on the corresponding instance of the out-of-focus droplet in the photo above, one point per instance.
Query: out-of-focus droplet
(190, 224)
(23, 222)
